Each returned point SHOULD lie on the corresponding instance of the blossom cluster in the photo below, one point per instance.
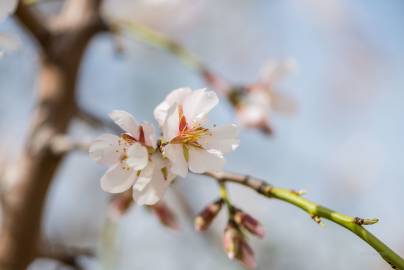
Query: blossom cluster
(140, 161)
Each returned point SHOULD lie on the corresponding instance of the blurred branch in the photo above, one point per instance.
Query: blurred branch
(55, 108)
(62, 144)
(232, 92)
(160, 40)
(34, 23)
(66, 255)
(316, 211)
(95, 121)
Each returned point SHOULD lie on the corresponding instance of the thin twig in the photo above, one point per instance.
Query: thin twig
(160, 40)
(66, 255)
(316, 211)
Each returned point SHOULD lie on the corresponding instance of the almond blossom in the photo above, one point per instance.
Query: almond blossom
(262, 97)
(132, 160)
(187, 142)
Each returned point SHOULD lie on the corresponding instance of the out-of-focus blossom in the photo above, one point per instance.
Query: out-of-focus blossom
(7, 7)
(255, 102)
(236, 246)
(165, 215)
(187, 142)
(120, 204)
(133, 160)
(249, 223)
(207, 215)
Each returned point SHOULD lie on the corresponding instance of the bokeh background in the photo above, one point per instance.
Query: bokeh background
(344, 144)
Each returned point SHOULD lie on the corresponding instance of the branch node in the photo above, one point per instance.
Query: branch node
(264, 189)
(365, 221)
(318, 220)
(299, 192)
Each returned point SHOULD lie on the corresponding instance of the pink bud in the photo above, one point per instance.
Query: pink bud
(249, 223)
(247, 255)
(237, 248)
(165, 215)
(206, 216)
(120, 204)
(231, 241)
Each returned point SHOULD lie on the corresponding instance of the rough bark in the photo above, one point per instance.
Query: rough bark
(60, 57)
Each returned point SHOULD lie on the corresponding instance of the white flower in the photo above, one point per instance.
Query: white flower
(7, 7)
(255, 109)
(263, 97)
(187, 143)
(132, 160)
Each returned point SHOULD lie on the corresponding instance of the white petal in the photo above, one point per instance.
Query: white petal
(223, 139)
(7, 7)
(197, 105)
(145, 177)
(152, 193)
(137, 156)
(251, 115)
(149, 134)
(175, 154)
(171, 125)
(118, 179)
(105, 149)
(126, 121)
(201, 160)
(152, 187)
(177, 96)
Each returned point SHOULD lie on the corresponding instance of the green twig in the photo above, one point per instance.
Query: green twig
(160, 40)
(316, 211)
(224, 195)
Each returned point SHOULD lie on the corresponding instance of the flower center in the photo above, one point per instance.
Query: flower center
(188, 135)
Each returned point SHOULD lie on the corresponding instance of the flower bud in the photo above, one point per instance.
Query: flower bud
(249, 223)
(231, 241)
(165, 215)
(247, 255)
(237, 247)
(120, 204)
(206, 216)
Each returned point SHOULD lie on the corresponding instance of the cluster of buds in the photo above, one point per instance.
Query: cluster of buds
(234, 241)
(121, 203)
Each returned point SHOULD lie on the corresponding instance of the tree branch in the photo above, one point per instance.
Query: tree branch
(316, 211)
(33, 22)
(66, 255)
(160, 40)
(55, 108)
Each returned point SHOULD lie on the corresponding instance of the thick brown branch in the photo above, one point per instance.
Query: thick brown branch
(33, 22)
(58, 75)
